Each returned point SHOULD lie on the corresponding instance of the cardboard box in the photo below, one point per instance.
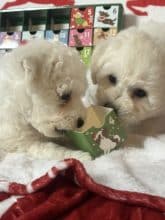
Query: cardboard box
(28, 36)
(9, 40)
(103, 34)
(101, 133)
(85, 54)
(82, 17)
(80, 37)
(12, 21)
(58, 19)
(108, 16)
(58, 35)
(35, 20)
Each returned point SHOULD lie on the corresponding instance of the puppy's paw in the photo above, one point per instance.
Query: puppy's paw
(79, 155)
(53, 151)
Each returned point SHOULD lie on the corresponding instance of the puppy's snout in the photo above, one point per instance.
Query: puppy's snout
(110, 105)
(80, 122)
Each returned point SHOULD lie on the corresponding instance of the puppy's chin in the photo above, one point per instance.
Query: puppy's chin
(51, 133)
(129, 118)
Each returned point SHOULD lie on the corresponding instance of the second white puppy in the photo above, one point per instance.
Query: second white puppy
(129, 70)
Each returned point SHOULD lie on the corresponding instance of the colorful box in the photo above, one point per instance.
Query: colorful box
(27, 36)
(85, 53)
(12, 21)
(58, 35)
(103, 34)
(108, 16)
(82, 17)
(101, 133)
(76, 26)
(35, 20)
(80, 37)
(9, 40)
(58, 19)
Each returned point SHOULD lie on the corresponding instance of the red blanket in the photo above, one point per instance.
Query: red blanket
(68, 192)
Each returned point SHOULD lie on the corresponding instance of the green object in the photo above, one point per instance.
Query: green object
(100, 140)
(35, 20)
(12, 21)
(85, 54)
(58, 18)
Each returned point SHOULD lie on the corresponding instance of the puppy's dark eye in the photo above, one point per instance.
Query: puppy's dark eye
(140, 93)
(66, 97)
(112, 79)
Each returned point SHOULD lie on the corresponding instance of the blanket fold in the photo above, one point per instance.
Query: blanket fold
(67, 192)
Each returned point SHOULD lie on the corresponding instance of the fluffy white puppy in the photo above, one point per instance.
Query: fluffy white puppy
(129, 71)
(41, 85)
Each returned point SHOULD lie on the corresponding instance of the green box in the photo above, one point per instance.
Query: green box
(12, 21)
(85, 54)
(101, 133)
(58, 19)
(35, 20)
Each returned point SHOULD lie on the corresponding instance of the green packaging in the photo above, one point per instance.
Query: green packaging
(101, 133)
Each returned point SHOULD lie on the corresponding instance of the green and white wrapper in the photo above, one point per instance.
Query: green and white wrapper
(99, 140)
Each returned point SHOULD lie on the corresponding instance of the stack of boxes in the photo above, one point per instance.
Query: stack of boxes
(58, 25)
(81, 31)
(80, 27)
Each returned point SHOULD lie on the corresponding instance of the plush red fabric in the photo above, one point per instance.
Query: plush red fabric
(73, 195)
(133, 4)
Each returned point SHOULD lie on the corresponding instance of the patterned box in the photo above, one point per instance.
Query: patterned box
(60, 35)
(108, 16)
(12, 21)
(82, 18)
(80, 37)
(9, 40)
(85, 53)
(58, 19)
(103, 34)
(35, 20)
(27, 35)
(101, 133)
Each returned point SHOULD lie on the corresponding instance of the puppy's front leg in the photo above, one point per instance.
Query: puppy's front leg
(53, 151)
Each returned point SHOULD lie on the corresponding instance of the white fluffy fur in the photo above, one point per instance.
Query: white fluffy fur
(32, 80)
(136, 56)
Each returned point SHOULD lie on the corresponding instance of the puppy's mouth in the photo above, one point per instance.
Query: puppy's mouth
(60, 131)
(111, 105)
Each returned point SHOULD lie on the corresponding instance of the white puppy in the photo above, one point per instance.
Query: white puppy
(129, 70)
(41, 85)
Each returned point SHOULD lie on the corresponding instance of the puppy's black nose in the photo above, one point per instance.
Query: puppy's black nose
(80, 122)
(107, 105)
(110, 105)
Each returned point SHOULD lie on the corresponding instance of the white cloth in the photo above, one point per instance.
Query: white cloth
(132, 169)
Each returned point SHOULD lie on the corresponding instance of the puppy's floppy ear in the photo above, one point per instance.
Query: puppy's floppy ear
(97, 59)
(93, 75)
(30, 67)
(94, 66)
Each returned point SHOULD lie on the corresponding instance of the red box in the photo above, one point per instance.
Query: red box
(82, 18)
(80, 37)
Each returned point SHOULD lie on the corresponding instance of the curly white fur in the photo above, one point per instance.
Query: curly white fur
(33, 79)
(136, 57)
